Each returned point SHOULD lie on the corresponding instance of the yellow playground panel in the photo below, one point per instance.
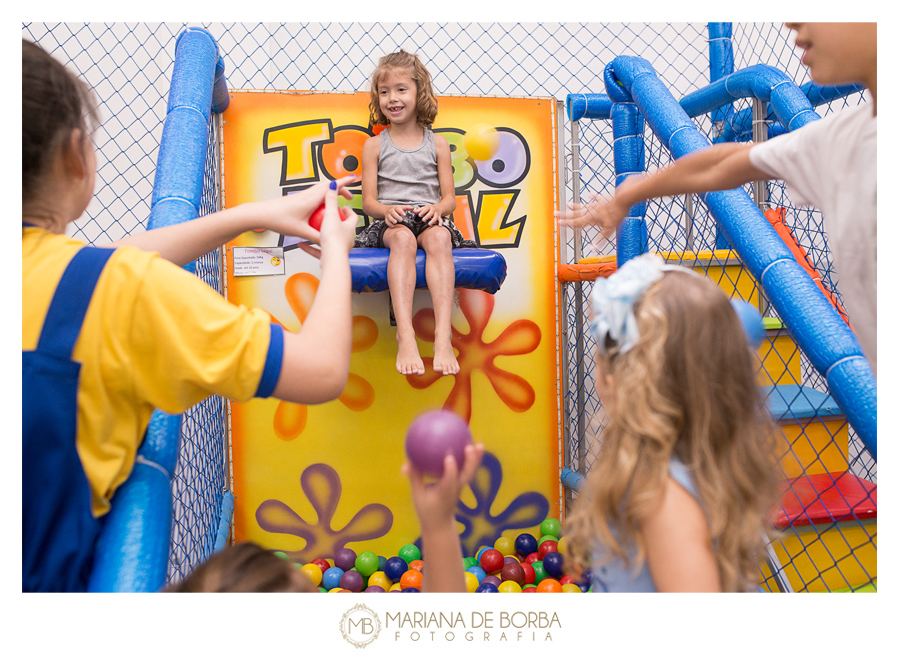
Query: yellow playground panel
(310, 480)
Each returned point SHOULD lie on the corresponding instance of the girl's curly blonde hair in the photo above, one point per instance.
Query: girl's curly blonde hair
(409, 63)
(687, 388)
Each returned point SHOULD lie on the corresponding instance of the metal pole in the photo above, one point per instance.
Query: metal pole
(578, 444)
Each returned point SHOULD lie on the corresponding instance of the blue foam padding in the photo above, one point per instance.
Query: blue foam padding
(793, 402)
(478, 269)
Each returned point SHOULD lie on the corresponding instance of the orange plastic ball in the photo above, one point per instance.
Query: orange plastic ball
(411, 578)
(417, 565)
(549, 586)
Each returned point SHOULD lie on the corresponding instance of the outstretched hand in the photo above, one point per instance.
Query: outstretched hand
(435, 503)
(338, 224)
(607, 212)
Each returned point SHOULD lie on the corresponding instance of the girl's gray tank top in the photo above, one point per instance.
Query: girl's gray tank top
(408, 176)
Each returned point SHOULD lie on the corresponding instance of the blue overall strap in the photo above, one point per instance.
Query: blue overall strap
(58, 527)
(62, 324)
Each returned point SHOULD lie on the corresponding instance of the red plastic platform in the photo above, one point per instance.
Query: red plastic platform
(827, 498)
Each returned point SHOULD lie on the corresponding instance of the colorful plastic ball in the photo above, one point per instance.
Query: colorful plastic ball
(374, 589)
(345, 559)
(337, 590)
(529, 589)
(395, 567)
(315, 220)
(547, 538)
(434, 435)
(553, 564)
(332, 577)
(409, 553)
(528, 569)
(481, 552)
(491, 560)
(281, 554)
(566, 579)
(539, 572)
(322, 589)
(562, 546)
(551, 527)
(470, 562)
(417, 565)
(406, 590)
(382, 562)
(313, 572)
(509, 587)
(482, 141)
(478, 572)
(493, 580)
(411, 578)
(395, 588)
(584, 587)
(509, 559)
(471, 581)
(321, 563)
(571, 588)
(531, 558)
(366, 563)
(379, 579)
(505, 545)
(514, 572)
(549, 586)
(526, 544)
(488, 588)
(548, 546)
(351, 580)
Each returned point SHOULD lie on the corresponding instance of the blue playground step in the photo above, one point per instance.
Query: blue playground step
(795, 402)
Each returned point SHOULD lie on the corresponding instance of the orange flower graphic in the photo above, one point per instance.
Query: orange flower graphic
(520, 337)
(290, 418)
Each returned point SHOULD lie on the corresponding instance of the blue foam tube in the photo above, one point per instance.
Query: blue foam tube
(816, 326)
(570, 479)
(225, 521)
(132, 550)
(628, 153)
(588, 106)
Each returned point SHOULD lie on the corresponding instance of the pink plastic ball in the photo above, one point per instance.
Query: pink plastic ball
(434, 435)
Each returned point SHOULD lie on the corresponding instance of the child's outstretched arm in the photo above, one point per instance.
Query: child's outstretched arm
(433, 213)
(435, 506)
(679, 548)
(316, 360)
(188, 241)
(718, 167)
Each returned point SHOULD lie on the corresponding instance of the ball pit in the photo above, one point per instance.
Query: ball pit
(528, 564)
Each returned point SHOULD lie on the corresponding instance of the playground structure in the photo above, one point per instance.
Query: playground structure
(820, 389)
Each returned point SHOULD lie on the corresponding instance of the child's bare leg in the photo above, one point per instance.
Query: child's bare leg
(441, 277)
(402, 284)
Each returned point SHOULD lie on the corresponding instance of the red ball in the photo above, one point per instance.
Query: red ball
(529, 572)
(434, 435)
(491, 561)
(548, 546)
(565, 580)
(531, 558)
(321, 563)
(315, 220)
(529, 590)
(513, 571)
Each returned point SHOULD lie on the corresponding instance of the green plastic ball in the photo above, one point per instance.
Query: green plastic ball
(551, 527)
(546, 538)
(281, 554)
(539, 572)
(409, 553)
(470, 562)
(366, 563)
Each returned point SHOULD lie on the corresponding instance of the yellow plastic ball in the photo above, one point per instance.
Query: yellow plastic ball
(509, 587)
(379, 578)
(571, 588)
(561, 545)
(482, 141)
(471, 581)
(505, 545)
(313, 572)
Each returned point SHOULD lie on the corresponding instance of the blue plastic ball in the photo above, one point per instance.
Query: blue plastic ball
(490, 588)
(480, 573)
(553, 564)
(395, 567)
(526, 544)
(751, 321)
(331, 578)
(409, 589)
(382, 562)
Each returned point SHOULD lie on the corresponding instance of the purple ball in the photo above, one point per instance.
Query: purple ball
(434, 435)
(351, 580)
(509, 559)
(345, 559)
(493, 580)
(374, 589)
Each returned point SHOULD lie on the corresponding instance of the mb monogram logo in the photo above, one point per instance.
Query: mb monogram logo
(360, 626)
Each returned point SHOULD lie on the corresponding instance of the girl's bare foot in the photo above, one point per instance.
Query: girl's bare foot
(445, 358)
(408, 360)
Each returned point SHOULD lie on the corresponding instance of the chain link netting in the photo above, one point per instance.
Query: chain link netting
(129, 65)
